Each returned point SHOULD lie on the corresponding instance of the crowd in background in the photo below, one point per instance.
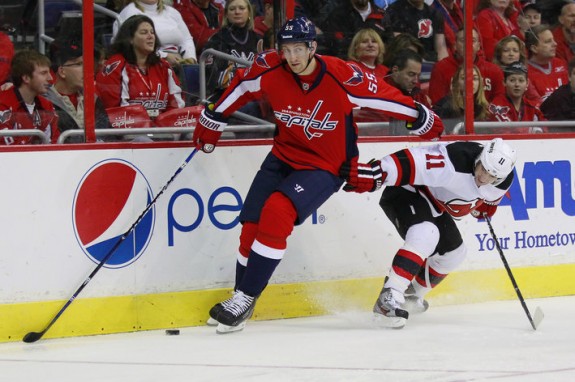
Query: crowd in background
(523, 61)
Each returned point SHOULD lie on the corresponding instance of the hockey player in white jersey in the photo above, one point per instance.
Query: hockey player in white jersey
(427, 187)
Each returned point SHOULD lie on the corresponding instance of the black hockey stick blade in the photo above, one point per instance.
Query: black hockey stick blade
(33, 337)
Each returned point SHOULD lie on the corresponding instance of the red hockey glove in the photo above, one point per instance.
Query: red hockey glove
(428, 125)
(208, 130)
(484, 208)
(362, 177)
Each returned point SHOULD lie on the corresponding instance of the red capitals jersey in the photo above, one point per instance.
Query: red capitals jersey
(544, 81)
(120, 83)
(315, 129)
(502, 109)
(14, 114)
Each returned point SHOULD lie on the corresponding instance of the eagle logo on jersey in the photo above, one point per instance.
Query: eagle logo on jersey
(5, 116)
(106, 70)
(261, 61)
(357, 77)
(498, 109)
(425, 28)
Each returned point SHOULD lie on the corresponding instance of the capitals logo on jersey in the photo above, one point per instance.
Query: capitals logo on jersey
(357, 77)
(425, 28)
(5, 116)
(109, 198)
(501, 112)
(106, 70)
(307, 119)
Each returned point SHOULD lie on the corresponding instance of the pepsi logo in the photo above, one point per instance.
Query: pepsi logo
(108, 200)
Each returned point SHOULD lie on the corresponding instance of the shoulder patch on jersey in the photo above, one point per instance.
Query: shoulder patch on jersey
(261, 60)
(357, 77)
(110, 68)
(5, 115)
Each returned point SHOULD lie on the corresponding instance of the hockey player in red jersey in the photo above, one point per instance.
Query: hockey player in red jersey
(312, 98)
(427, 187)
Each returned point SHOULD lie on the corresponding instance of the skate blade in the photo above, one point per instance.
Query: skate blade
(212, 322)
(225, 329)
(388, 322)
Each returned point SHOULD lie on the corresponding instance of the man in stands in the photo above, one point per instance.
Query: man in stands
(315, 137)
(22, 106)
(546, 72)
(67, 94)
(421, 21)
(564, 33)
(343, 22)
(444, 70)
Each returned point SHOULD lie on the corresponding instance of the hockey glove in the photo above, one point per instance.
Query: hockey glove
(484, 208)
(362, 177)
(427, 125)
(209, 129)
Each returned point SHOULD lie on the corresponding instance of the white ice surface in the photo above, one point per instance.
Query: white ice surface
(480, 342)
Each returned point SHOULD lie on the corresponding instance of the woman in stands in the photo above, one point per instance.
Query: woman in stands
(177, 43)
(508, 50)
(237, 38)
(134, 74)
(495, 20)
(367, 50)
(451, 108)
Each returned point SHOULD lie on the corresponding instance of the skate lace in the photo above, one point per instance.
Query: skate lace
(239, 303)
(389, 301)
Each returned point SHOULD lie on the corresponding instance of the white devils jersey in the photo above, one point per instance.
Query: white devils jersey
(443, 175)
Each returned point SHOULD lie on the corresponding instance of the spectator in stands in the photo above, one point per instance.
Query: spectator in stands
(546, 71)
(134, 74)
(564, 33)
(529, 17)
(341, 24)
(400, 42)
(421, 21)
(444, 70)
(177, 45)
(67, 94)
(263, 23)
(404, 73)
(237, 38)
(22, 105)
(514, 106)
(508, 50)
(6, 54)
(494, 21)
(202, 17)
(451, 108)
(367, 49)
(560, 105)
(452, 18)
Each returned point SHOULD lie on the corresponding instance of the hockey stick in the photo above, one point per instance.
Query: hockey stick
(538, 317)
(35, 336)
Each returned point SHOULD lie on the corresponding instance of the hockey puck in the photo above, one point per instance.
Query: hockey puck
(173, 332)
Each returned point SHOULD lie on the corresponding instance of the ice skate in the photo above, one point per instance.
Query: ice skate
(388, 310)
(234, 312)
(216, 309)
(413, 303)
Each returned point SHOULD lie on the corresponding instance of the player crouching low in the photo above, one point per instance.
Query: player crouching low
(427, 187)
